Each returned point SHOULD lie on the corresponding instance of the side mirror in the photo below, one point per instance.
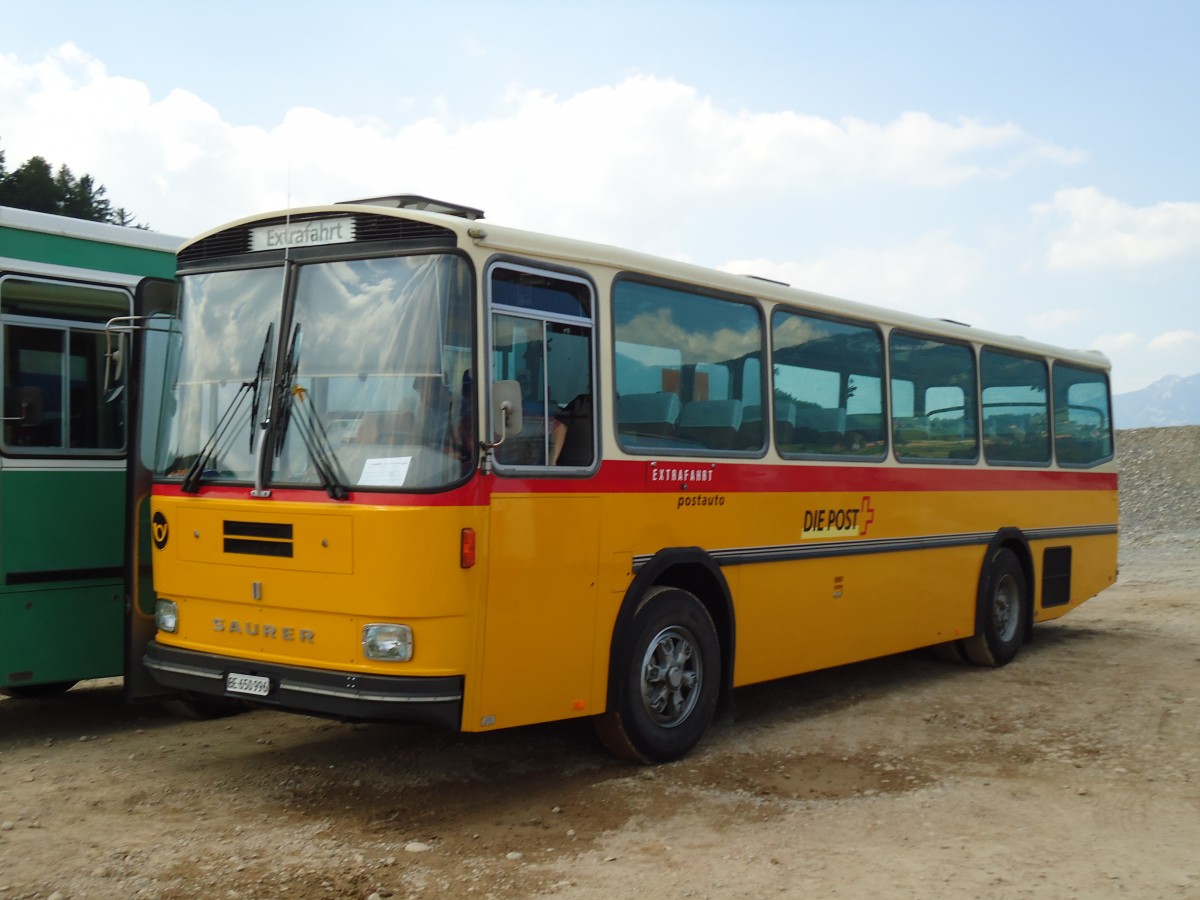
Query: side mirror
(506, 410)
(115, 344)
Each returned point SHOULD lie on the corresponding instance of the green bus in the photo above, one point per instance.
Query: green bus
(69, 604)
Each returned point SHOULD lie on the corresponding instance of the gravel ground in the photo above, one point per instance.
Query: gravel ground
(1160, 484)
(1074, 771)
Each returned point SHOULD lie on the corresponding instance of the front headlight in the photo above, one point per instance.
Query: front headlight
(389, 643)
(166, 615)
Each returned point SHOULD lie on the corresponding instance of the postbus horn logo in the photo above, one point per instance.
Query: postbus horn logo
(159, 531)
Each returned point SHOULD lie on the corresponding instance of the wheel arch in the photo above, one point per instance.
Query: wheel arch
(690, 569)
(1013, 539)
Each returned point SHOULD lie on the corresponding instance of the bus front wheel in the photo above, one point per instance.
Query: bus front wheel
(1003, 612)
(668, 673)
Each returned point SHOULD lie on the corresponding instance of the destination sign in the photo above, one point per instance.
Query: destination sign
(312, 233)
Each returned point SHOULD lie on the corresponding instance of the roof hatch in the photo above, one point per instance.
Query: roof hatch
(416, 201)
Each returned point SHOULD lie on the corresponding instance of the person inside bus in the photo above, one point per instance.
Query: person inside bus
(463, 438)
(572, 435)
(558, 437)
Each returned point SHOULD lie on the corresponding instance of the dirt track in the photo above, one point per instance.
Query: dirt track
(1074, 771)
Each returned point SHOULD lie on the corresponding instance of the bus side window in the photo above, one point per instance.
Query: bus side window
(542, 339)
(939, 377)
(1016, 406)
(688, 370)
(42, 408)
(54, 365)
(828, 383)
(578, 447)
(1082, 416)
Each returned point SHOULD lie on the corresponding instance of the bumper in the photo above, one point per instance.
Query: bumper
(342, 695)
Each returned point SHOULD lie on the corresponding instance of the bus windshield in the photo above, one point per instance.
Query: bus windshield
(354, 375)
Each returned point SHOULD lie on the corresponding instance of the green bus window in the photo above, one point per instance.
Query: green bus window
(61, 300)
(53, 399)
(54, 367)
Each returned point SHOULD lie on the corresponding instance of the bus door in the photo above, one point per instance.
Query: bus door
(544, 530)
(146, 350)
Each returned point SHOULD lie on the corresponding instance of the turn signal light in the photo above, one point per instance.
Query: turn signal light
(466, 549)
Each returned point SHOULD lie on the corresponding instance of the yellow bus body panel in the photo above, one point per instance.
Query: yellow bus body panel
(349, 566)
(530, 626)
(537, 661)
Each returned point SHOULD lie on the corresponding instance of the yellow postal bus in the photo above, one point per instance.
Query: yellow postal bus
(414, 466)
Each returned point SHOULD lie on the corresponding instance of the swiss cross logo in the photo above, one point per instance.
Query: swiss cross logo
(866, 515)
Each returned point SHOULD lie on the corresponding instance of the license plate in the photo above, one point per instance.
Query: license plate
(255, 685)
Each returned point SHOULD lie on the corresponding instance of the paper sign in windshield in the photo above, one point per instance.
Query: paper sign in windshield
(388, 471)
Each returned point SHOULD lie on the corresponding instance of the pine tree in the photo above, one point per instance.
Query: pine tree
(81, 199)
(34, 186)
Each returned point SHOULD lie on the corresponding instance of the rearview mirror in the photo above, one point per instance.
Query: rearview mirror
(506, 410)
(115, 343)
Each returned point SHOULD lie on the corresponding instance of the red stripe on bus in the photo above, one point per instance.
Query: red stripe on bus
(628, 476)
(633, 477)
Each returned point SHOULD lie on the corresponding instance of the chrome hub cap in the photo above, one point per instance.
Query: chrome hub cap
(671, 676)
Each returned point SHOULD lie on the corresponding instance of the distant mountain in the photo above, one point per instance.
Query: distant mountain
(1169, 401)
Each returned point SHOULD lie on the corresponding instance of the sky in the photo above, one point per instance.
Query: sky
(1026, 167)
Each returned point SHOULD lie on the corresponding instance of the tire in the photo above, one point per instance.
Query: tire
(36, 691)
(1003, 613)
(668, 678)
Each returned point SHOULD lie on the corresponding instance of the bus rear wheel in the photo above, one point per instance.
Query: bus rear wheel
(668, 675)
(1004, 610)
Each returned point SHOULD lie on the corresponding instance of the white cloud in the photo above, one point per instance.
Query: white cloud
(1054, 319)
(1176, 340)
(929, 276)
(575, 164)
(1114, 343)
(1095, 231)
(648, 163)
(1138, 361)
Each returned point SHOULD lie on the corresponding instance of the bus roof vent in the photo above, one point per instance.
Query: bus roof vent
(768, 280)
(416, 201)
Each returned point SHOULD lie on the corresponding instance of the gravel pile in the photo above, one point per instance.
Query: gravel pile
(1160, 484)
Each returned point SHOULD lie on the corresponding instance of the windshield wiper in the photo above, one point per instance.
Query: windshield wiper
(312, 431)
(257, 383)
(320, 449)
(191, 481)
